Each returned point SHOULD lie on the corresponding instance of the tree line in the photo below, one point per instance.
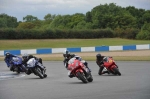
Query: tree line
(125, 22)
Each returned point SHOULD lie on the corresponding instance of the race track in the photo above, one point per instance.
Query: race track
(134, 83)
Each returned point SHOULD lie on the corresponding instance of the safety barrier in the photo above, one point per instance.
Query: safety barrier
(77, 49)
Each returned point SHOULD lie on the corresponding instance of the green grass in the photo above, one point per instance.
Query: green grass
(63, 43)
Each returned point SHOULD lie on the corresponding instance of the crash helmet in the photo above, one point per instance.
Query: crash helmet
(30, 56)
(98, 56)
(25, 56)
(7, 54)
(66, 53)
(78, 58)
(73, 55)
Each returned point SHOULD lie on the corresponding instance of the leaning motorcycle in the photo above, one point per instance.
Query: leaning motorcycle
(110, 66)
(16, 65)
(36, 67)
(77, 69)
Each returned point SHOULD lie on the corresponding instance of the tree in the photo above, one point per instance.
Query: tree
(145, 32)
(125, 21)
(103, 15)
(3, 23)
(26, 25)
(88, 17)
(146, 17)
(77, 18)
(8, 21)
(29, 18)
(49, 18)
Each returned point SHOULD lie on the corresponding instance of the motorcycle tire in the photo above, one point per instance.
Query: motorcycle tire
(82, 77)
(17, 70)
(117, 71)
(45, 75)
(39, 73)
(90, 79)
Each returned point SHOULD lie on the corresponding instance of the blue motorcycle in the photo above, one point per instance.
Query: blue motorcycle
(16, 65)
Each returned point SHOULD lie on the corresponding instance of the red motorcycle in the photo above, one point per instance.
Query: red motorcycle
(77, 69)
(110, 66)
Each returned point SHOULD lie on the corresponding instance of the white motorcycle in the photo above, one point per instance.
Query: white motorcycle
(36, 67)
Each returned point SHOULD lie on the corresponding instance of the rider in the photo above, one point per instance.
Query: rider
(8, 58)
(67, 56)
(26, 57)
(99, 61)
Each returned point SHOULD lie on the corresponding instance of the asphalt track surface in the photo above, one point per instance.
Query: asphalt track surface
(134, 83)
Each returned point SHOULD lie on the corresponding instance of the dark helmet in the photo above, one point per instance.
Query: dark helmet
(98, 56)
(7, 54)
(66, 53)
(30, 56)
(25, 56)
(73, 55)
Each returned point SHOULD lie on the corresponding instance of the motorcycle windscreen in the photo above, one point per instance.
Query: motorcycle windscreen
(17, 60)
(74, 64)
(109, 62)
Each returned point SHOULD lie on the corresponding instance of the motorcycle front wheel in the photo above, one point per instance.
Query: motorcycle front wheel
(90, 78)
(117, 71)
(17, 70)
(39, 73)
(82, 77)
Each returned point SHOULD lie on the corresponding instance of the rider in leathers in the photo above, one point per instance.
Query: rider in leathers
(8, 58)
(67, 56)
(99, 61)
(26, 57)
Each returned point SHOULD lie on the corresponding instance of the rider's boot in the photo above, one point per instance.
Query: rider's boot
(100, 70)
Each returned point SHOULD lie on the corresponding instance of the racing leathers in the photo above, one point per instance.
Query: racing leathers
(67, 58)
(101, 66)
(25, 60)
(9, 59)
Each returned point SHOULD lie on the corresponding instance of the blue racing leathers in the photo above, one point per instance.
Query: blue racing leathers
(8, 59)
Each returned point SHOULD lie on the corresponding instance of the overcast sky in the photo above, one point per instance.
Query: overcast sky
(40, 8)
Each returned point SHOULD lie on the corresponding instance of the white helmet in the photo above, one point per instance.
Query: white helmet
(78, 58)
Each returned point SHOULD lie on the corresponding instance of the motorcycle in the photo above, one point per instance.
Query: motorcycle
(16, 65)
(110, 66)
(77, 69)
(36, 67)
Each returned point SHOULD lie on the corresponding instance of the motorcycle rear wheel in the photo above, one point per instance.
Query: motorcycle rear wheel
(82, 77)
